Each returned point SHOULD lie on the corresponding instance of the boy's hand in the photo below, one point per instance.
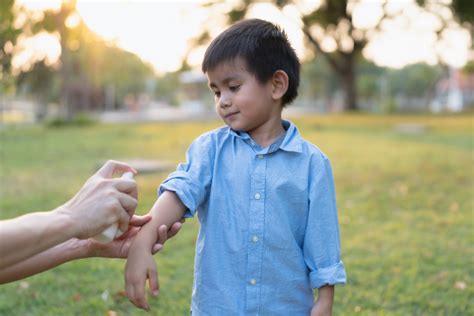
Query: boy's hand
(140, 267)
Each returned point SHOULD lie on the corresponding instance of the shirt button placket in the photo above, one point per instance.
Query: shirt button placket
(256, 229)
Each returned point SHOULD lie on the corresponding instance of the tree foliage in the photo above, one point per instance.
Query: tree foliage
(414, 80)
(464, 10)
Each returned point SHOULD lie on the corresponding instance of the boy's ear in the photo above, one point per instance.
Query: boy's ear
(279, 84)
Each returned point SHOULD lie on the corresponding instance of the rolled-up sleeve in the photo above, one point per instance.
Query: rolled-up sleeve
(321, 242)
(191, 180)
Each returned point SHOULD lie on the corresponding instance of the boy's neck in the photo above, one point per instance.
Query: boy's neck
(266, 134)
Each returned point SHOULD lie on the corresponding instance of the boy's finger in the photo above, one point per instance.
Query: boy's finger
(153, 282)
(139, 291)
(140, 299)
(130, 292)
(142, 303)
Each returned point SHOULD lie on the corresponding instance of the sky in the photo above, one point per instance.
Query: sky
(159, 31)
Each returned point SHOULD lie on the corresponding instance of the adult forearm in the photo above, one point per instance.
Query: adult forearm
(25, 236)
(69, 250)
(167, 210)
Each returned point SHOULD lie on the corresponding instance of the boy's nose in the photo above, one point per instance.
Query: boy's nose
(224, 103)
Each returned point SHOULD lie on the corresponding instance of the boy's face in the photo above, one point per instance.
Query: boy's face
(241, 100)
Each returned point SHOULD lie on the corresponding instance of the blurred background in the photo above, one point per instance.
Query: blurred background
(387, 92)
(97, 59)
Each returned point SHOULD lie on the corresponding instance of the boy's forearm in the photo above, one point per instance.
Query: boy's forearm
(167, 210)
(324, 302)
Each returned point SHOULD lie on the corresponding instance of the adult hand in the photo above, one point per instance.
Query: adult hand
(103, 201)
(119, 248)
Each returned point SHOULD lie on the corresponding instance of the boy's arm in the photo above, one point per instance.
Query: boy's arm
(322, 244)
(141, 266)
(323, 304)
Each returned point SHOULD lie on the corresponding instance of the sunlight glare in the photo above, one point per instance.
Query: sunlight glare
(46, 46)
(154, 31)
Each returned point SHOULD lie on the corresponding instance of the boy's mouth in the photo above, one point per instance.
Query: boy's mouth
(230, 115)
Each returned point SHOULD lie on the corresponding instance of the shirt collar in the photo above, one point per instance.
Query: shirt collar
(292, 141)
(241, 135)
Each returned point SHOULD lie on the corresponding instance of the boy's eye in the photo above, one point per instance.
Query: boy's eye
(234, 88)
(217, 93)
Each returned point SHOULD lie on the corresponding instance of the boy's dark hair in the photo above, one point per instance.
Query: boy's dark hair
(263, 46)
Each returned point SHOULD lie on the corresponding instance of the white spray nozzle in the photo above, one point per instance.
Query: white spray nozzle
(113, 231)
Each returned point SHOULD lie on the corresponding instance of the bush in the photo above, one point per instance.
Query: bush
(77, 120)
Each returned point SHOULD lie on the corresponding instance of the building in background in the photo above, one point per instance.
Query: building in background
(455, 93)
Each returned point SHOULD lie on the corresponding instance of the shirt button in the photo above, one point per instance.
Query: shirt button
(255, 238)
(260, 156)
(253, 281)
(257, 196)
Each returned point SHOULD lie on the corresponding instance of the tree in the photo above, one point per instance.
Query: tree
(416, 81)
(8, 36)
(332, 22)
(90, 71)
(40, 81)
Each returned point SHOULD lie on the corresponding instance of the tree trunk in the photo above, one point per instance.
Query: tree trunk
(344, 67)
(348, 81)
(350, 93)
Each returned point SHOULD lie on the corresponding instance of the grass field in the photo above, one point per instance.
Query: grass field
(405, 208)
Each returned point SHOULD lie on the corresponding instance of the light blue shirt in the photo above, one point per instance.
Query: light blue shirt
(269, 230)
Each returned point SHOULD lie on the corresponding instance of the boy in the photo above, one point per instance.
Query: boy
(264, 196)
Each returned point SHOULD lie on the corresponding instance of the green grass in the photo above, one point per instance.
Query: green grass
(405, 201)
